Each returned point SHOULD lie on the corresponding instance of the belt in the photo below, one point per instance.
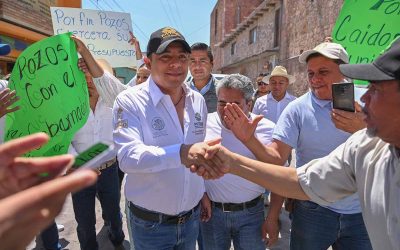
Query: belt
(160, 217)
(233, 207)
(107, 164)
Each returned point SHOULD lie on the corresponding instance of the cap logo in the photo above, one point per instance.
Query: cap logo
(169, 32)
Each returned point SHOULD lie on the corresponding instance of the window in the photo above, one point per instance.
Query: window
(277, 27)
(233, 48)
(253, 35)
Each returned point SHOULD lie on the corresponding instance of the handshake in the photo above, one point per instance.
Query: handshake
(208, 159)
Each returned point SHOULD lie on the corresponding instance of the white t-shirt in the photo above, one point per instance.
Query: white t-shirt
(232, 188)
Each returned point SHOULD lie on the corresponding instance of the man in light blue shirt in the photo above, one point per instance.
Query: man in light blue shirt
(306, 126)
(272, 105)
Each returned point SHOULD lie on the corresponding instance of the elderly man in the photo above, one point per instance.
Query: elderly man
(367, 164)
(200, 65)
(237, 204)
(150, 126)
(272, 104)
(305, 125)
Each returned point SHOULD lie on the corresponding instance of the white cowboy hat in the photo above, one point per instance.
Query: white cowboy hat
(279, 71)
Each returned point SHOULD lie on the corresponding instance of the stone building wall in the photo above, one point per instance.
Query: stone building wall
(305, 24)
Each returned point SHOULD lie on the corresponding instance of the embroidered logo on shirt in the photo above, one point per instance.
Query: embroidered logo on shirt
(197, 116)
(198, 123)
(121, 123)
(157, 123)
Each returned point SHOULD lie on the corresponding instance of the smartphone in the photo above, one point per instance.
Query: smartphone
(343, 96)
(91, 157)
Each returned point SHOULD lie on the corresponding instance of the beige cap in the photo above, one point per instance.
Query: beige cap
(329, 50)
(279, 71)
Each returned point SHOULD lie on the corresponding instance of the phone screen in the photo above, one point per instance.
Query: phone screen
(89, 154)
(343, 96)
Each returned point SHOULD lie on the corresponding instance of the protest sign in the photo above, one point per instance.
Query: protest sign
(53, 94)
(105, 33)
(365, 28)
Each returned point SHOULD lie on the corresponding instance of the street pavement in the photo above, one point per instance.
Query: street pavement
(69, 239)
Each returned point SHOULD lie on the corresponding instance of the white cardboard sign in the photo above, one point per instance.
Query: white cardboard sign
(105, 33)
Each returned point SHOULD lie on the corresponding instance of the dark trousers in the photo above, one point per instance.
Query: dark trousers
(107, 188)
(50, 237)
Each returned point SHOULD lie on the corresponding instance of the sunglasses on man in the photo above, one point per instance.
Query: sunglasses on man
(262, 83)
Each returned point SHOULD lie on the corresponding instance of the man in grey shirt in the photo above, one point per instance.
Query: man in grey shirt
(200, 66)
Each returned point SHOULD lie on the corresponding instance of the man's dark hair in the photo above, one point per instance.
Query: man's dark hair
(263, 74)
(203, 47)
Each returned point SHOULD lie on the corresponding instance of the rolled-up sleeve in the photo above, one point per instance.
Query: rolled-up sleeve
(108, 87)
(331, 178)
(134, 155)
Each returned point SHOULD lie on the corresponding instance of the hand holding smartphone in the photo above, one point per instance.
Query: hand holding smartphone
(93, 156)
(343, 96)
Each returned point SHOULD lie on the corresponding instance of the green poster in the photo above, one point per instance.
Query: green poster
(53, 94)
(366, 27)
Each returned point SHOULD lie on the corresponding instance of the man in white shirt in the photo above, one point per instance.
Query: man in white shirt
(272, 105)
(151, 124)
(237, 204)
(98, 128)
(142, 72)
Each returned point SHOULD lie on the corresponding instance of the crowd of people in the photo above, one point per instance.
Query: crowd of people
(197, 159)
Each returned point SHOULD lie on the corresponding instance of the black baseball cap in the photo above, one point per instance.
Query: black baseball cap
(386, 67)
(4, 49)
(160, 39)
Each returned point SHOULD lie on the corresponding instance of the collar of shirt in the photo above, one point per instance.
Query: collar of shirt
(270, 97)
(321, 103)
(395, 151)
(205, 89)
(157, 95)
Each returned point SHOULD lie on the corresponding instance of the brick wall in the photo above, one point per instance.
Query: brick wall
(264, 41)
(225, 14)
(31, 14)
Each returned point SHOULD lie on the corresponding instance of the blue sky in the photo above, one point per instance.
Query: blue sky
(190, 17)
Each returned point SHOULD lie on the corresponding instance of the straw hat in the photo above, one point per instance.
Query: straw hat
(279, 71)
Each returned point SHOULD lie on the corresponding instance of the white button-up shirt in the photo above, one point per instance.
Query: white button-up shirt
(3, 86)
(231, 188)
(369, 167)
(98, 128)
(271, 108)
(148, 137)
